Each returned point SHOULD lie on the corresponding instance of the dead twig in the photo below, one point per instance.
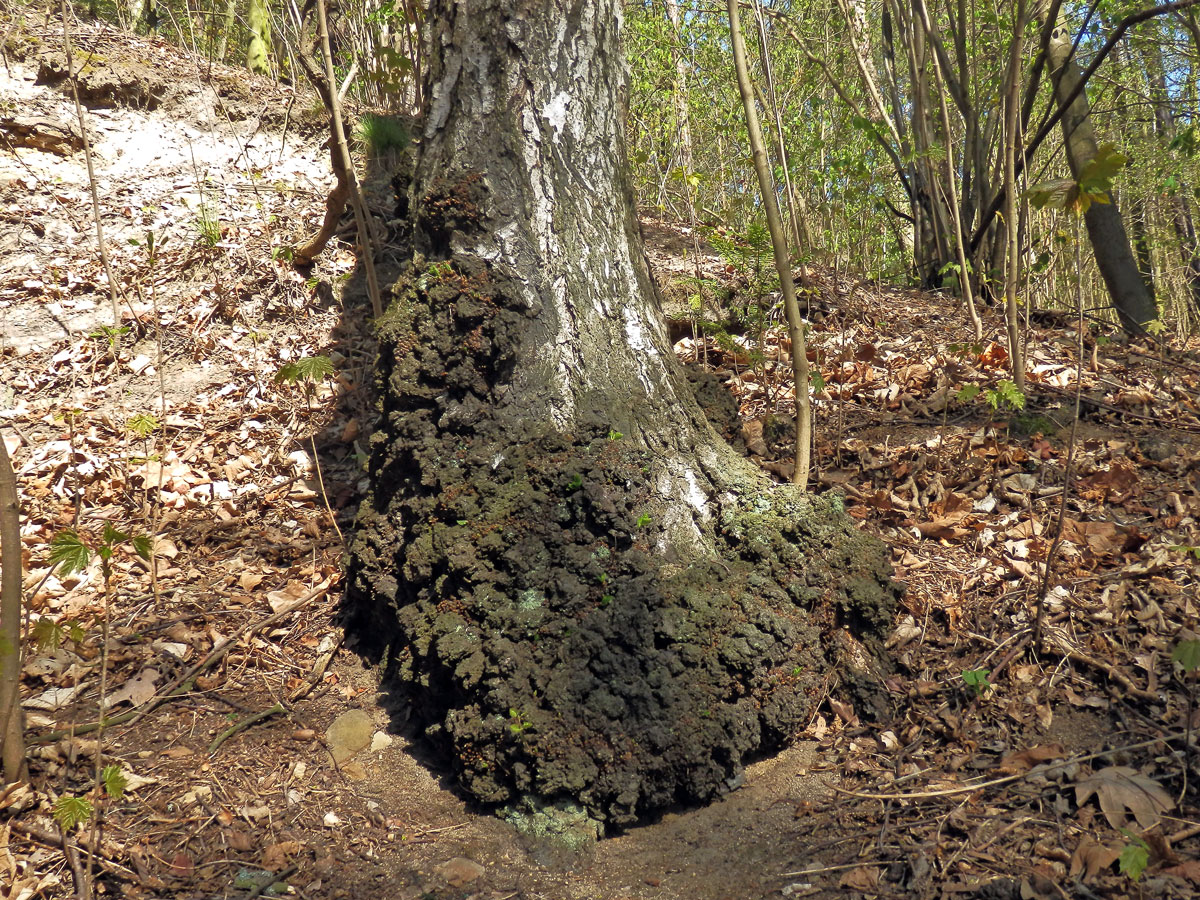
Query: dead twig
(318, 671)
(1008, 779)
(269, 880)
(245, 723)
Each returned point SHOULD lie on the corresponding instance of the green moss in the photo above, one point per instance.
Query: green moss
(1026, 424)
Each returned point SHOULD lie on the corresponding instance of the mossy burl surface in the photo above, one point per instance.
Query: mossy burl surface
(533, 623)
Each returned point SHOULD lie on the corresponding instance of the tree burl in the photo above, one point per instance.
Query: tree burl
(590, 600)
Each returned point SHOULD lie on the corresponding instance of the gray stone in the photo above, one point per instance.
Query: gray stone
(349, 733)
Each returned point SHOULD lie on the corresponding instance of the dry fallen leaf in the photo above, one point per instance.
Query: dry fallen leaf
(863, 878)
(276, 856)
(1023, 760)
(54, 698)
(137, 690)
(752, 434)
(240, 841)
(1189, 870)
(1122, 790)
(1090, 858)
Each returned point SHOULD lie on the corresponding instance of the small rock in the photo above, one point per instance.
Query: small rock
(380, 740)
(460, 871)
(1156, 448)
(349, 733)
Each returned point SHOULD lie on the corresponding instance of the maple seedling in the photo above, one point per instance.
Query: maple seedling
(1135, 856)
(977, 682)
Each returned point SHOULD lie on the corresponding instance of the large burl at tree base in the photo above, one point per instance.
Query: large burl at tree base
(584, 593)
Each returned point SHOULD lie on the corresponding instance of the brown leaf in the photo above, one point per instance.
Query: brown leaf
(1100, 538)
(276, 856)
(1160, 846)
(1023, 760)
(182, 865)
(864, 878)
(942, 529)
(1189, 870)
(844, 711)
(288, 598)
(865, 352)
(250, 580)
(137, 690)
(1091, 858)
(1122, 790)
(240, 841)
(752, 434)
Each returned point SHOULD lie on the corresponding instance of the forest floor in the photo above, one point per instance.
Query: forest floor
(253, 745)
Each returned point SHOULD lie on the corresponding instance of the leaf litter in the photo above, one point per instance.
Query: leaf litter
(990, 780)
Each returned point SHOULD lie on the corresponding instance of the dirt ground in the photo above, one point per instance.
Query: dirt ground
(255, 746)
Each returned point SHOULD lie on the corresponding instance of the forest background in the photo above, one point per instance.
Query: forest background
(909, 145)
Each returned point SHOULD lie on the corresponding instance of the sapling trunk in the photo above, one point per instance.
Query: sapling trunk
(779, 245)
(12, 731)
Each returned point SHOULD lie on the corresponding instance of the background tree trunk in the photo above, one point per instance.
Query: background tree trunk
(1180, 207)
(258, 51)
(1131, 296)
(594, 603)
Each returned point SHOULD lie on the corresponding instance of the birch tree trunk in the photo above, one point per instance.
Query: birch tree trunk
(591, 602)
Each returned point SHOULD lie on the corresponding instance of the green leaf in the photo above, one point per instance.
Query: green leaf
(1187, 655)
(1097, 176)
(1011, 394)
(110, 537)
(311, 368)
(143, 425)
(1133, 860)
(68, 552)
(1058, 193)
(976, 681)
(1186, 142)
(70, 812)
(818, 382)
(143, 546)
(48, 634)
(114, 781)
(643, 520)
(968, 393)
